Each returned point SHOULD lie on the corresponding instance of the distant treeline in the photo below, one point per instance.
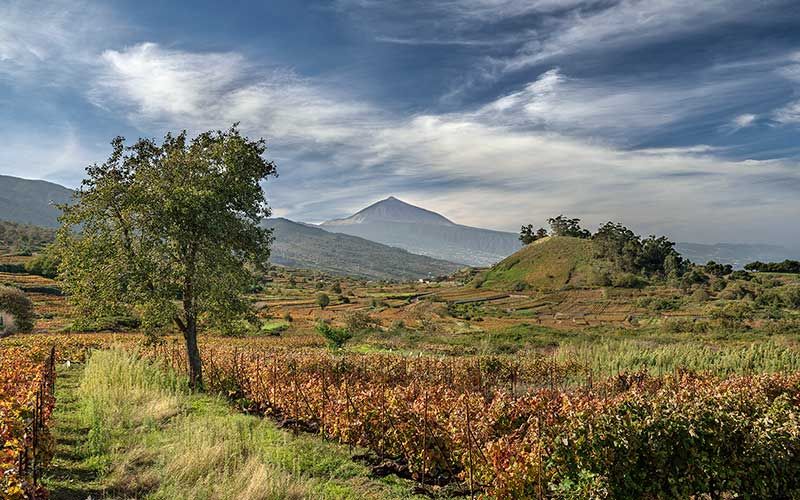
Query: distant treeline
(787, 266)
(24, 237)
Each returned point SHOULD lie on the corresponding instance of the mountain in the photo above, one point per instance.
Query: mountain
(736, 254)
(31, 201)
(304, 246)
(399, 224)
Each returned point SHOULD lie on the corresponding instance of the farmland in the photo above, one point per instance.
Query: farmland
(451, 389)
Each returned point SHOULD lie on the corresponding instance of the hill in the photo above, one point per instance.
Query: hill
(399, 224)
(303, 246)
(27, 201)
(546, 264)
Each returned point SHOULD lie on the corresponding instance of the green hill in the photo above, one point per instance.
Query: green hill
(309, 247)
(547, 264)
(27, 201)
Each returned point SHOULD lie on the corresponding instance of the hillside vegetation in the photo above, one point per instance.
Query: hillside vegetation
(302, 246)
(546, 264)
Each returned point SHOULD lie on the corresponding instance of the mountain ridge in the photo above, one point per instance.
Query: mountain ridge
(392, 209)
(399, 224)
(306, 246)
(31, 201)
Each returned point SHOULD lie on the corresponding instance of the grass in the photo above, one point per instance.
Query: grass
(148, 436)
(274, 327)
(546, 264)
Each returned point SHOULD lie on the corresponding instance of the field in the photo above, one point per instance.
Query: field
(444, 389)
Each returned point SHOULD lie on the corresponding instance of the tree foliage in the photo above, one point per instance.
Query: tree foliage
(323, 300)
(171, 232)
(632, 254)
(564, 226)
(528, 235)
(787, 266)
(14, 302)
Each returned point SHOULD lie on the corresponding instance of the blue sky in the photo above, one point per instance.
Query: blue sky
(675, 117)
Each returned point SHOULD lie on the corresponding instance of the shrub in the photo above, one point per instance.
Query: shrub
(323, 300)
(336, 337)
(360, 321)
(791, 297)
(104, 324)
(628, 280)
(288, 317)
(735, 291)
(659, 303)
(700, 295)
(15, 302)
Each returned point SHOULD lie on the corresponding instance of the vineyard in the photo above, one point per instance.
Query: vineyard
(582, 393)
(515, 429)
(26, 404)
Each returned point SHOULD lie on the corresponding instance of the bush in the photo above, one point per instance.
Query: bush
(659, 303)
(336, 337)
(735, 291)
(44, 264)
(323, 300)
(288, 318)
(104, 324)
(700, 295)
(791, 297)
(360, 321)
(14, 301)
(628, 280)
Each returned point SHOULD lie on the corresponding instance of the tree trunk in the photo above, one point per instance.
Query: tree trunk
(193, 354)
(190, 327)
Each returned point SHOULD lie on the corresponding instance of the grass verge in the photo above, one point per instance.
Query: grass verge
(148, 436)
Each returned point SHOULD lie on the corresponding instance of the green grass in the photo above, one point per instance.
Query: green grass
(547, 264)
(274, 327)
(148, 436)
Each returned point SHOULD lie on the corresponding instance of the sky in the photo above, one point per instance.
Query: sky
(676, 117)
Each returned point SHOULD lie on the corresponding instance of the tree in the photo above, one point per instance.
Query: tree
(618, 244)
(170, 232)
(527, 234)
(323, 300)
(564, 226)
(14, 302)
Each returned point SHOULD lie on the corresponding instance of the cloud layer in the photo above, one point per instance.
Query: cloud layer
(672, 116)
(523, 156)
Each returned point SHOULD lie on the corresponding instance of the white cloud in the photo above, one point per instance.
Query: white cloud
(336, 151)
(621, 110)
(626, 24)
(744, 120)
(790, 112)
(47, 40)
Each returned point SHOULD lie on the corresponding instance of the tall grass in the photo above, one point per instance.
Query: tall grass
(160, 441)
(609, 357)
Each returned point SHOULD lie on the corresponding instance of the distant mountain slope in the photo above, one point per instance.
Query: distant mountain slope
(31, 201)
(735, 254)
(299, 245)
(399, 224)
